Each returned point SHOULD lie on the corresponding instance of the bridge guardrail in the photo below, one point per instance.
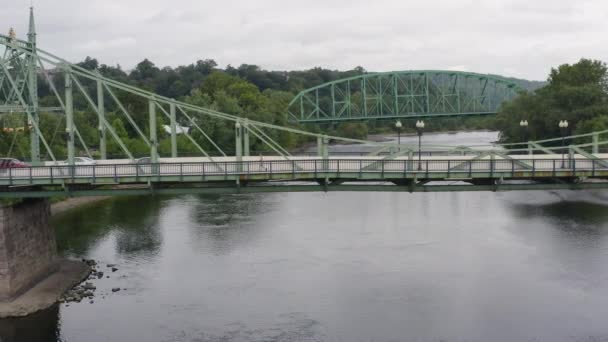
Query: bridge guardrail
(383, 168)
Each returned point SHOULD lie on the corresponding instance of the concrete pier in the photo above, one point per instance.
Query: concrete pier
(32, 277)
(28, 252)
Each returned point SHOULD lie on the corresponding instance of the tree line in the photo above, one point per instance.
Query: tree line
(575, 92)
(251, 92)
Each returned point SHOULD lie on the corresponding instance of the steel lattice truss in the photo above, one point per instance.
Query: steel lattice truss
(371, 96)
(403, 94)
(22, 63)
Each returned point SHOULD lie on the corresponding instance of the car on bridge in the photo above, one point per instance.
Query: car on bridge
(80, 161)
(11, 163)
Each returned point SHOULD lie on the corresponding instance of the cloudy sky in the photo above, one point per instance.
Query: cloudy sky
(519, 38)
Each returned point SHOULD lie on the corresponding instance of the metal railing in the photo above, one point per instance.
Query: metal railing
(311, 168)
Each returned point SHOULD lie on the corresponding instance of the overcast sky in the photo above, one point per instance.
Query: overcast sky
(519, 38)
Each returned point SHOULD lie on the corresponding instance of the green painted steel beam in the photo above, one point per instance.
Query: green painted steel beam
(323, 169)
(392, 116)
(234, 189)
(101, 113)
(33, 90)
(102, 117)
(153, 133)
(69, 117)
(173, 125)
(427, 93)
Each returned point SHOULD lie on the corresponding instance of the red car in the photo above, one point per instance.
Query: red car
(11, 163)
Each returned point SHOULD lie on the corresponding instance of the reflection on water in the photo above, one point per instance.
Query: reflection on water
(131, 221)
(516, 266)
(223, 221)
(576, 217)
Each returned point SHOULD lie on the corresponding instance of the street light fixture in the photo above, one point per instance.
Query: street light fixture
(524, 128)
(563, 127)
(398, 125)
(419, 129)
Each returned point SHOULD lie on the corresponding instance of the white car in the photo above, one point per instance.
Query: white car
(80, 161)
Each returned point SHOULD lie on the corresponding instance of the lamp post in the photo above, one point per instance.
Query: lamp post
(398, 126)
(524, 131)
(563, 127)
(419, 129)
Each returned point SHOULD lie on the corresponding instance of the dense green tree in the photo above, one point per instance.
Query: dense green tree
(251, 92)
(577, 93)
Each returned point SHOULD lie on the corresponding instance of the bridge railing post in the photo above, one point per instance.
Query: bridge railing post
(492, 165)
(410, 158)
(449, 167)
(270, 169)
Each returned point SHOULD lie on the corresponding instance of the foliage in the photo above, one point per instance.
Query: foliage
(247, 91)
(577, 93)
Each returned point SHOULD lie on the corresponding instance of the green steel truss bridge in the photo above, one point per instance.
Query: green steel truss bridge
(402, 95)
(234, 169)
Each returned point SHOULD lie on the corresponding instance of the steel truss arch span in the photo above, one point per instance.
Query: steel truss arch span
(402, 94)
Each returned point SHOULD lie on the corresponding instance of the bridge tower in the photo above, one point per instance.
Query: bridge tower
(19, 83)
(32, 74)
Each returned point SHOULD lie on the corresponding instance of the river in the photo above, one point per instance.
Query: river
(481, 266)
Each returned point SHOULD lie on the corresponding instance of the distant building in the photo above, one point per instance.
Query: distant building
(14, 129)
(178, 129)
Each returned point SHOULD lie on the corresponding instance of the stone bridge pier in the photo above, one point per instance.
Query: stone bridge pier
(32, 276)
(28, 251)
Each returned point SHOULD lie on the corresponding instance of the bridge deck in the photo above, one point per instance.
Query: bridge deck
(227, 172)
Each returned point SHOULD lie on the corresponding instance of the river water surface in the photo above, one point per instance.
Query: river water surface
(481, 266)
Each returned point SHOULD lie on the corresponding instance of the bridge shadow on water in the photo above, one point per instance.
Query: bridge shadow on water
(586, 216)
(568, 234)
